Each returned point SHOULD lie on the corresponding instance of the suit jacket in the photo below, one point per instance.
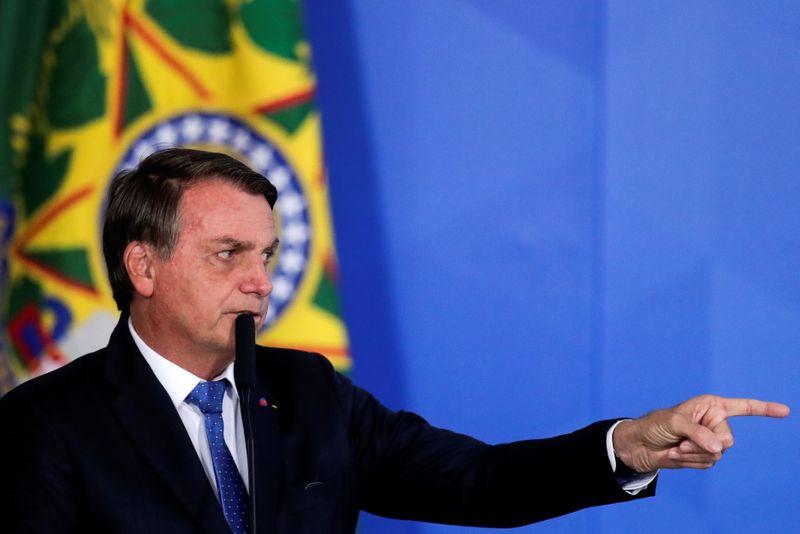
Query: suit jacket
(97, 446)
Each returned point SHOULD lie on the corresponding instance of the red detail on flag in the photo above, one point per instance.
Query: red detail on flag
(331, 267)
(292, 100)
(122, 88)
(30, 340)
(25, 239)
(323, 175)
(138, 27)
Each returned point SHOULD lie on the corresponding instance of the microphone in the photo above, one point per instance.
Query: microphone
(244, 373)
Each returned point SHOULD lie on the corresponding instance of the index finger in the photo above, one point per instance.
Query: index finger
(736, 407)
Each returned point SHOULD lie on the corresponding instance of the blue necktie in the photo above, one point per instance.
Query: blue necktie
(232, 494)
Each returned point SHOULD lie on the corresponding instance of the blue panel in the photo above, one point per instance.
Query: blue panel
(553, 212)
(701, 243)
(483, 147)
(367, 297)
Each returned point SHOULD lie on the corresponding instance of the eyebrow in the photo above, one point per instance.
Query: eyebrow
(246, 245)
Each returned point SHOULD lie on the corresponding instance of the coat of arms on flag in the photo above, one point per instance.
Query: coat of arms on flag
(101, 84)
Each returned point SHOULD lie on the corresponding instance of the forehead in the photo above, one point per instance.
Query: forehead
(217, 206)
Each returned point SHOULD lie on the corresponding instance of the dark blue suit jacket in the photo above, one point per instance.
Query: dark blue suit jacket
(97, 446)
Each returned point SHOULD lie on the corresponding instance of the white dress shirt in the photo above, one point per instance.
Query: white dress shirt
(179, 383)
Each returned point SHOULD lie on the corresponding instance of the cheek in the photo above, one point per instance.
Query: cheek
(194, 289)
(184, 292)
(205, 293)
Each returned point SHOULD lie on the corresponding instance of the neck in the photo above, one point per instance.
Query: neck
(204, 364)
(207, 369)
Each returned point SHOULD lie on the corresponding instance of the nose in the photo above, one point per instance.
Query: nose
(257, 281)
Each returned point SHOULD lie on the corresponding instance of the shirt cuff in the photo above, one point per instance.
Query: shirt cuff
(630, 481)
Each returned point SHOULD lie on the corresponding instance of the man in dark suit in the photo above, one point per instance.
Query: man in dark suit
(146, 435)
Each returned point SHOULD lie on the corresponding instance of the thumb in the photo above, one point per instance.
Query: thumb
(702, 436)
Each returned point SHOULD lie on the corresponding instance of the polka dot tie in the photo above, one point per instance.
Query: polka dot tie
(232, 494)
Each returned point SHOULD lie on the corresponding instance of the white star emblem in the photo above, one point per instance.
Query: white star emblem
(279, 178)
(281, 288)
(142, 150)
(261, 157)
(192, 128)
(219, 130)
(241, 140)
(295, 233)
(292, 261)
(166, 135)
(290, 204)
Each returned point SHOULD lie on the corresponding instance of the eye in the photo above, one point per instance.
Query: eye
(225, 254)
(265, 257)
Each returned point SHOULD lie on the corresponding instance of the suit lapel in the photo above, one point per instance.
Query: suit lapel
(145, 410)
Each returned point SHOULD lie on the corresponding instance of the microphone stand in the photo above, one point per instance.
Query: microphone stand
(251, 456)
(244, 374)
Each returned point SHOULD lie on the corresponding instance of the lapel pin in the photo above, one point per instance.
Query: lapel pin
(263, 402)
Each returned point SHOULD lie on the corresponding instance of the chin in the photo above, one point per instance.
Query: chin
(228, 342)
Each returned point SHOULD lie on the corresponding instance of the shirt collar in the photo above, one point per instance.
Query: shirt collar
(175, 379)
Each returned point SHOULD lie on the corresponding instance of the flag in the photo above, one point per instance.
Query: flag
(92, 87)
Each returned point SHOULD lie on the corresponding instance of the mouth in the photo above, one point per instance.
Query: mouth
(257, 316)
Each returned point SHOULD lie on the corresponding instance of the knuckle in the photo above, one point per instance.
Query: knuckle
(711, 400)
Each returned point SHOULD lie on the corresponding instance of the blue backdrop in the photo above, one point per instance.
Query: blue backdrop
(553, 212)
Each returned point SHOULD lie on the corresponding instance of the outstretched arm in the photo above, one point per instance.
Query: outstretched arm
(693, 434)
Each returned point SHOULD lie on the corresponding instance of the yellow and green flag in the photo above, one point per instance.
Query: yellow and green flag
(90, 87)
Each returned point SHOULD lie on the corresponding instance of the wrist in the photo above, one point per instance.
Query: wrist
(623, 440)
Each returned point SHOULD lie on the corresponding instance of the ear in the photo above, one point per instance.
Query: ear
(138, 260)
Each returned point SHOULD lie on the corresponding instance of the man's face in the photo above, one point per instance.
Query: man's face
(217, 271)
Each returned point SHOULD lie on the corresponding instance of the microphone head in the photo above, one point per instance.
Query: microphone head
(244, 371)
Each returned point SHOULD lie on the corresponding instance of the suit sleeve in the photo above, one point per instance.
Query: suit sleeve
(409, 469)
(36, 493)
